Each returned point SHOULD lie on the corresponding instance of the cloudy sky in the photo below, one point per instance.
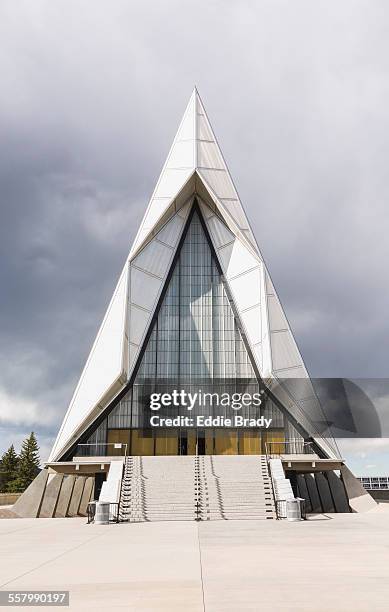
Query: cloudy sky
(91, 95)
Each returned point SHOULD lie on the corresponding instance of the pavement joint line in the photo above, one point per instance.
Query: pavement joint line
(5, 533)
(51, 560)
(201, 566)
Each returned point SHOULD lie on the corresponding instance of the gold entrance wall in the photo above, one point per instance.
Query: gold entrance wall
(141, 444)
(207, 441)
(250, 443)
(118, 436)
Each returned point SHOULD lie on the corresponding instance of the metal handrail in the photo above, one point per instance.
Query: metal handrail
(117, 445)
(121, 485)
(271, 480)
(283, 448)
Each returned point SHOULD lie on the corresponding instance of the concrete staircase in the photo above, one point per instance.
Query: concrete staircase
(218, 487)
(244, 485)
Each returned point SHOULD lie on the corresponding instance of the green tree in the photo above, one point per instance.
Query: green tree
(8, 468)
(28, 464)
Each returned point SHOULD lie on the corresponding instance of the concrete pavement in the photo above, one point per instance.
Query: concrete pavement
(338, 563)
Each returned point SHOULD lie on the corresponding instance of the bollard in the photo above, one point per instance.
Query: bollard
(293, 509)
(102, 513)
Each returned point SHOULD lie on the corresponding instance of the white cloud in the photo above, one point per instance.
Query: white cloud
(363, 447)
(17, 410)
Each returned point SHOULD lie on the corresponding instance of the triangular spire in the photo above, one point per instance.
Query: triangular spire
(194, 169)
(195, 151)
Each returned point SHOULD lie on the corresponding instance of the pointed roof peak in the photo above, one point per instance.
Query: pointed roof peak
(195, 150)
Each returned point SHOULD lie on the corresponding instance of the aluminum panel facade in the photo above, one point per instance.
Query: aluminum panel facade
(103, 367)
(219, 181)
(138, 324)
(284, 352)
(170, 233)
(209, 156)
(240, 260)
(194, 169)
(182, 155)
(154, 258)
(221, 235)
(252, 322)
(246, 289)
(171, 182)
(144, 289)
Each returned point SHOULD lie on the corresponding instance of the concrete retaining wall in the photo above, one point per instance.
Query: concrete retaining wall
(50, 498)
(7, 499)
(64, 497)
(359, 498)
(76, 496)
(86, 495)
(29, 503)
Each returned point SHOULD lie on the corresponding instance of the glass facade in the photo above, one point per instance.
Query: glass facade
(195, 342)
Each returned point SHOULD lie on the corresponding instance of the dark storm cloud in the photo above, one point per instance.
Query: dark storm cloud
(91, 96)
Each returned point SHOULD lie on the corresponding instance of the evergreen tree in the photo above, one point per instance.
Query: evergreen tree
(28, 464)
(8, 468)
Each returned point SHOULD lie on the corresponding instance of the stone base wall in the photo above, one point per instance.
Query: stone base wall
(7, 499)
(55, 495)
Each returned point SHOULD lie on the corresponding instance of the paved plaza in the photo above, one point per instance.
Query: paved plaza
(334, 562)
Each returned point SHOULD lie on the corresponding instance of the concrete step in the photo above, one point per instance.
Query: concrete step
(188, 488)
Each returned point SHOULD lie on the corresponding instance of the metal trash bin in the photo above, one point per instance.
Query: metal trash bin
(102, 513)
(293, 509)
(91, 511)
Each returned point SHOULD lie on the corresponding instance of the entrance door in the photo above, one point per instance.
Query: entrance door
(195, 441)
(200, 442)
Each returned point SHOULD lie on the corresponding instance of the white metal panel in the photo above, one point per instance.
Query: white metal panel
(206, 211)
(284, 352)
(154, 258)
(157, 208)
(132, 353)
(235, 209)
(186, 131)
(219, 181)
(249, 236)
(144, 289)
(276, 314)
(267, 366)
(204, 130)
(170, 233)
(103, 367)
(172, 181)
(138, 324)
(239, 259)
(252, 322)
(220, 234)
(246, 289)
(184, 210)
(293, 372)
(209, 156)
(182, 155)
(258, 354)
